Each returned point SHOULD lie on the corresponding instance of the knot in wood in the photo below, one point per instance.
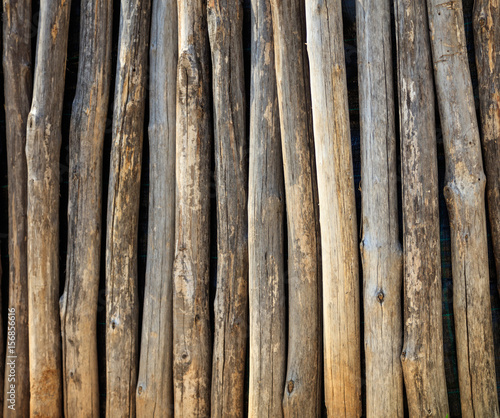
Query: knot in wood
(290, 386)
(482, 21)
(380, 296)
(139, 389)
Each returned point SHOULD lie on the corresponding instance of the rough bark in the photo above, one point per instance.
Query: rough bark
(18, 94)
(486, 22)
(339, 250)
(302, 386)
(464, 194)
(122, 305)
(381, 252)
(422, 357)
(155, 396)
(79, 300)
(192, 335)
(265, 227)
(225, 23)
(43, 144)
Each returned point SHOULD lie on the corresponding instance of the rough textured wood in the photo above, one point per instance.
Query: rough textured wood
(422, 356)
(339, 249)
(10, 333)
(381, 252)
(486, 22)
(155, 396)
(192, 336)
(43, 144)
(122, 305)
(18, 94)
(302, 386)
(266, 201)
(79, 300)
(464, 194)
(225, 24)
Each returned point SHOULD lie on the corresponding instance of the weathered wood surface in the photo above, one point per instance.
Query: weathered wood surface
(80, 298)
(155, 396)
(122, 305)
(486, 22)
(422, 356)
(381, 252)
(302, 392)
(43, 144)
(17, 69)
(225, 24)
(192, 336)
(464, 194)
(10, 334)
(339, 249)
(266, 201)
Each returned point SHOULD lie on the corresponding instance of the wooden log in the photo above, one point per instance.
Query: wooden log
(302, 392)
(79, 300)
(486, 22)
(422, 357)
(43, 144)
(266, 201)
(11, 336)
(339, 249)
(17, 65)
(155, 396)
(122, 305)
(381, 252)
(192, 336)
(225, 25)
(464, 194)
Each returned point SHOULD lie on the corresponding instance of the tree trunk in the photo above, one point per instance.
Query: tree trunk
(10, 334)
(79, 300)
(464, 193)
(339, 251)
(487, 42)
(422, 357)
(122, 305)
(266, 203)
(192, 335)
(18, 94)
(225, 24)
(43, 144)
(302, 387)
(381, 252)
(155, 396)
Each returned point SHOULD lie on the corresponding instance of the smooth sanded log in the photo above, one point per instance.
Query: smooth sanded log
(302, 391)
(381, 252)
(79, 300)
(225, 22)
(266, 201)
(155, 396)
(339, 246)
(43, 144)
(122, 305)
(422, 356)
(464, 194)
(192, 336)
(486, 22)
(18, 91)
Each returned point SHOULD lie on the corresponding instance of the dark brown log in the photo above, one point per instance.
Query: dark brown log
(192, 337)
(79, 300)
(225, 24)
(43, 144)
(122, 340)
(422, 357)
(266, 203)
(18, 94)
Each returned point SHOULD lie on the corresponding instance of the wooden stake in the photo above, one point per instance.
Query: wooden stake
(155, 396)
(422, 357)
(122, 306)
(192, 335)
(381, 251)
(43, 144)
(266, 203)
(464, 193)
